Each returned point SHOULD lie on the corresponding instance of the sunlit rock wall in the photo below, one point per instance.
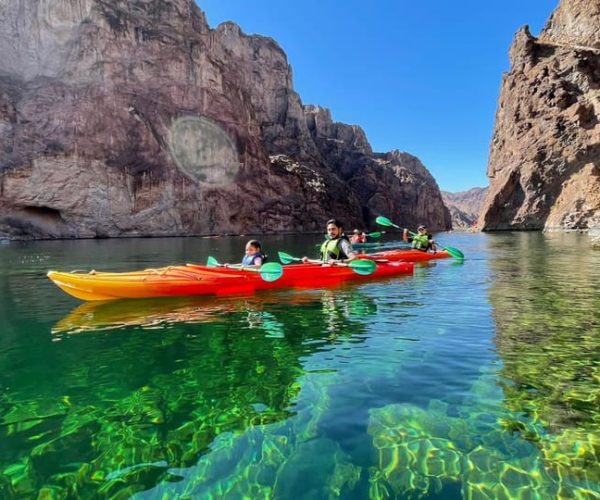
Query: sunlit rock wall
(544, 165)
(134, 118)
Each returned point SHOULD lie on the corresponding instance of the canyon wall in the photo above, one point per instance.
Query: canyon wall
(135, 118)
(544, 164)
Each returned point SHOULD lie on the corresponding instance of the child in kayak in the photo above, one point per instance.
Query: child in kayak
(254, 256)
(422, 240)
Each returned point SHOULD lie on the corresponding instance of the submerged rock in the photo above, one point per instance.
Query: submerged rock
(594, 233)
(481, 448)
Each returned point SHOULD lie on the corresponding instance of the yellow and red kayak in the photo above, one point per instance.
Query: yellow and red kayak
(202, 280)
(162, 282)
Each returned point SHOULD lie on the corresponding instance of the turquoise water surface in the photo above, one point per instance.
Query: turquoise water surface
(474, 379)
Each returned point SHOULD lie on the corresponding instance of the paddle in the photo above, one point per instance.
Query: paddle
(271, 271)
(384, 221)
(360, 266)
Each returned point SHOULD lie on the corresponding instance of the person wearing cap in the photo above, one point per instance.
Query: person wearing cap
(358, 237)
(422, 240)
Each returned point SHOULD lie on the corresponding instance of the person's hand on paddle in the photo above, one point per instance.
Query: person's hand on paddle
(329, 262)
(307, 260)
(344, 262)
(359, 266)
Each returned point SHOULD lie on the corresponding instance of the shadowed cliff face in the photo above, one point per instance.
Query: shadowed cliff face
(133, 117)
(544, 165)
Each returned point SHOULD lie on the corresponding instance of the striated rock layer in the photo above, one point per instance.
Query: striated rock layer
(544, 165)
(134, 118)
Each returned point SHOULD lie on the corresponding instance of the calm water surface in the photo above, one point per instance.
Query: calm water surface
(467, 380)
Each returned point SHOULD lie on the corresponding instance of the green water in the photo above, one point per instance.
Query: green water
(467, 380)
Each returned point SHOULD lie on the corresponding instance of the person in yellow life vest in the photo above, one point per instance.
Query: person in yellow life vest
(337, 247)
(422, 240)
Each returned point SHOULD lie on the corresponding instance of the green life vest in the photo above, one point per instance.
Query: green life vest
(331, 249)
(420, 241)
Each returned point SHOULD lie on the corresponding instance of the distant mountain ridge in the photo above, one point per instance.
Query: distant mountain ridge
(465, 206)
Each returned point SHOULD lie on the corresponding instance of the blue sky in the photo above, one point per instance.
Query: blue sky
(421, 77)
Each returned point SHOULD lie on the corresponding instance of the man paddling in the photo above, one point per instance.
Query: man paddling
(421, 241)
(337, 247)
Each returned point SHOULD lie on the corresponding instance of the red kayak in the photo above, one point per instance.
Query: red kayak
(309, 275)
(202, 280)
(409, 255)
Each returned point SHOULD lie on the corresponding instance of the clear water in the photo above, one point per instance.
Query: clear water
(467, 380)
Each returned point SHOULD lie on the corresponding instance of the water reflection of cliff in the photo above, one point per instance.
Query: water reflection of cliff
(546, 300)
(121, 413)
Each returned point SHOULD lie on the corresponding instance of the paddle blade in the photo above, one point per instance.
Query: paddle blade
(455, 252)
(212, 262)
(375, 234)
(286, 258)
(384, 221)
(271, 271)
(363, 266)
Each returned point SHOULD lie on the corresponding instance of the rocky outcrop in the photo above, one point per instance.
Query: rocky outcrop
(544, 165)
(465, 207)
(134, 118)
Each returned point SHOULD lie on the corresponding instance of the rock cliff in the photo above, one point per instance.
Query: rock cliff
(134, 118)
(544, 165)
(465, 207)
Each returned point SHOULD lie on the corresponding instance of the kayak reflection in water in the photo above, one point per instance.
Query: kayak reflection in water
(337, 247)
(422, 240)
(254, 255)
(344, 311)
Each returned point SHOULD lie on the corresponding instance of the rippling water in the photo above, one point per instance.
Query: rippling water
(478, 379)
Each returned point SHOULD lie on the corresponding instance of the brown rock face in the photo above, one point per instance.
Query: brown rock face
(544, 165)
(134, 118)
(465, 207)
